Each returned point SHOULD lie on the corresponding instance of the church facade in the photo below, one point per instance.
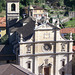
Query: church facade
(42, 49)
(46, 52)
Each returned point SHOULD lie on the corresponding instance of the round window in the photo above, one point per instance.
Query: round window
(47, 46)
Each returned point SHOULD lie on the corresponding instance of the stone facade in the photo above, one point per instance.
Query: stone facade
(46, 53)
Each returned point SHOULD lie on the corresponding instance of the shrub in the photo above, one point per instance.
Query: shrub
(4, 39)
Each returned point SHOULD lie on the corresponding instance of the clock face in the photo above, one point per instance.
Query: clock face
(47, 47)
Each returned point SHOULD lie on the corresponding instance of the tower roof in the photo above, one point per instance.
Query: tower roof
(12, 0)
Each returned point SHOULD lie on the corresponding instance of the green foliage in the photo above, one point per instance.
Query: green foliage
(70, 23)
(0, 8)
(2, 5)
(4, 39)
(61, 2)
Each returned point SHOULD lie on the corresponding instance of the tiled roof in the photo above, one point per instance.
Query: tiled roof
(35, 7)
(73, 48)
(12, 69)
(2, 21)
(67, 30)
(27, 30)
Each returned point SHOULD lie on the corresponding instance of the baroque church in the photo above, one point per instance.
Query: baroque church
(39, 47)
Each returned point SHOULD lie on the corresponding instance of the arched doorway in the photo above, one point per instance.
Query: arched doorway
(47, 71)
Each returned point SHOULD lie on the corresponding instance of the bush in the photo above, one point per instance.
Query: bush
(0, 8)
(4, 39)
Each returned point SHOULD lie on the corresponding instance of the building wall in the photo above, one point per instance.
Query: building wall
(3, 32)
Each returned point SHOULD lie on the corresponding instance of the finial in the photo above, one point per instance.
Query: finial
(21, 38)
(71, 36)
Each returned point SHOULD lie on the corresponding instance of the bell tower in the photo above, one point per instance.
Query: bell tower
(12, 12)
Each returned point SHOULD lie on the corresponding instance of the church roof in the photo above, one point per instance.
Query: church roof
(6, 52)
(12, 69)
(26, 30)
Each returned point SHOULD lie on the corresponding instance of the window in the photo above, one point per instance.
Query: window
(13, 7)
(29, 64)
(63, 73)
(63, 62)
(47, 47)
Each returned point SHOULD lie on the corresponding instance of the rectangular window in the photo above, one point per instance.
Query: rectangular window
(29, 64)
(63, 73)
(63, 63)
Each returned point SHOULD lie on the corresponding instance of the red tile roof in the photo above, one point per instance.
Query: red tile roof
(73, 48)
(2, 21)
(67, 30)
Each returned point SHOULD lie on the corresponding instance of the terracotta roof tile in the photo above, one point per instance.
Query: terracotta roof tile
(67, 30)
(2, 21)
(73, 48)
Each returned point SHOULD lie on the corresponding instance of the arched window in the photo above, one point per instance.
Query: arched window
(28, 64)
(13, 6)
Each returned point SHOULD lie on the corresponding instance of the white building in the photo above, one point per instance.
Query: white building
(42, 49)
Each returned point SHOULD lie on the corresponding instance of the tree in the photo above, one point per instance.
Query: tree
(0, 7)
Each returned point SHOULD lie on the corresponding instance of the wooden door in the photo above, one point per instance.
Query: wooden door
(46, 71)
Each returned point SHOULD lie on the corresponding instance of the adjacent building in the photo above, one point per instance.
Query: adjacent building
(2, 26)
(34, 11)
